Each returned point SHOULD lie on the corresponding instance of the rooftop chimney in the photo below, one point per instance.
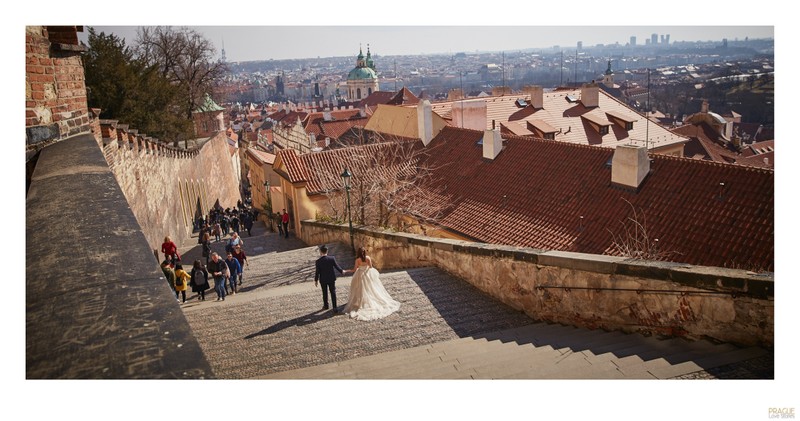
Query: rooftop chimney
(537, 96)
(590, 95)
(455, 94)
(326, 115)
(425, 122)
(704, 107)
(629, 166)
(492, 143)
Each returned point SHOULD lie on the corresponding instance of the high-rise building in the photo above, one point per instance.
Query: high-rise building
(633, 41)
(667, 39)
(580, 45)
(654, 39)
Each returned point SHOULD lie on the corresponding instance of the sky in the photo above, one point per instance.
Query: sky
(386, 27)
(249, 43)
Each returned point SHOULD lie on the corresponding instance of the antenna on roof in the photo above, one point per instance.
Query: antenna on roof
(647, 115)
(562, 68)
(395, 75)
(462, 97)
(576, 67)
(504, 72)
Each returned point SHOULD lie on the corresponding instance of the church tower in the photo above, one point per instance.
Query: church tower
(362, 80)
(608, 78)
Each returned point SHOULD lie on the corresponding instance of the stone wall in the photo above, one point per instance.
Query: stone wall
(592, 291)
(55, 90)
(97, 305)
(164, 186)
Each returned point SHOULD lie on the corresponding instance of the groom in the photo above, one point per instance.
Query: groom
(325, 273)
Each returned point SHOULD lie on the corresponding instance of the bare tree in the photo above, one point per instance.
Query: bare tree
(635, 241)
(184, 57)
(393, 184)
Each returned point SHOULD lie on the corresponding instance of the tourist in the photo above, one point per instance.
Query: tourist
(278, 222)
(169, 273)
(235, 222)
(182, 280)
(235, 270)
(234, 241)
(217, 267)
(247, 221)
(285, 222)
(169, 249)
(217, 231)
(238, 253)
(199, 283)
(206, 244)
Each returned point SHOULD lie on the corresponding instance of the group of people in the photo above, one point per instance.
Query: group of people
(227, 273)
(282, 221)
(368, 299)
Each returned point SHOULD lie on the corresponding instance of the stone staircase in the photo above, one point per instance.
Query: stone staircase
(445, 329)
(538, 351)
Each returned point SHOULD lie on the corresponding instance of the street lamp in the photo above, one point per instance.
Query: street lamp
(346, 181)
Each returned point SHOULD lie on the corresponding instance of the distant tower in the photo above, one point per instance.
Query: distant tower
(654, 39)
(279, 84)
(608, 77)
(370, 63)
(223, 51)
(633, 41)
(362, 80)
(580, 45)
(724, 42)
(667, 39)
(663, 39)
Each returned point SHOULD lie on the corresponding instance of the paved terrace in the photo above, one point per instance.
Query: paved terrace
(275, 328)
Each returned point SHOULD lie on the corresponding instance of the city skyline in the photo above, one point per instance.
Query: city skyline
(254, 43)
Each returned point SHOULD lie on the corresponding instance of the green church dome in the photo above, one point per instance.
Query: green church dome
(360, 73)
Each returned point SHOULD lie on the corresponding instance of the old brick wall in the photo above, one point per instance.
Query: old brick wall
(163, 186)
(591, 291)
(55, 91)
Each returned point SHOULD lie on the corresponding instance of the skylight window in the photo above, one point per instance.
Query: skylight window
(572, 98)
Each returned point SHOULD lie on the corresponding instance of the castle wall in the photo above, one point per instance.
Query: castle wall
(165, 187)
(593, 291)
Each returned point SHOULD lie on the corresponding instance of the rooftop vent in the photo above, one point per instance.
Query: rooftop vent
(521, 103)
(572, 99)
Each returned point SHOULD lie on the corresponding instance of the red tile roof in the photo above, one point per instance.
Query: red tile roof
(536, 191)
(320, 170)
(375, 98)
(707, 143)
(404, 97)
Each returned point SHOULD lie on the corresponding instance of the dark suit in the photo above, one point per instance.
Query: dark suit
(326, 275)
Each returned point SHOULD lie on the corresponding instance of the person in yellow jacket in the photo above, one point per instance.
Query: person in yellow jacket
(181, 281)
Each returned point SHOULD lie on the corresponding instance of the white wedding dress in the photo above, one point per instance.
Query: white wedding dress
(368, 299)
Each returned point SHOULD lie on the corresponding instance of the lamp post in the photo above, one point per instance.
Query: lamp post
(346, 181)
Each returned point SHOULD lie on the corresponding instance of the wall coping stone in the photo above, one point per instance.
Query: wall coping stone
(733, 281)
(97, 303)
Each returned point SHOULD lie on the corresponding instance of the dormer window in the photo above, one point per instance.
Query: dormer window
(621, 120)
(597, 122)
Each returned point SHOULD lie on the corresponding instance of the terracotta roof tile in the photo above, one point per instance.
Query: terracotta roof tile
(534, 193)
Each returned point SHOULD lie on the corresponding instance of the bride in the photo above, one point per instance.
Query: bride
(368, 298)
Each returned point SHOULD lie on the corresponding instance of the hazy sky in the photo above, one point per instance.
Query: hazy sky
(246, 43)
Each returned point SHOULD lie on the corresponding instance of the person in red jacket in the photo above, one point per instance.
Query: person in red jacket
(285, 221)
(170, 250)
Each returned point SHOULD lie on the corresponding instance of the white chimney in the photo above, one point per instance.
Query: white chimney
(629, 166)
(766, 161)
(537, 96)
(326, 115)
(313, 139)
(327, 141)
(704, 107)
(492, 143)
(425, 122)
(590, 95)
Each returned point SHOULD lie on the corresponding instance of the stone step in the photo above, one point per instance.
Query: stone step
(708, 362)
